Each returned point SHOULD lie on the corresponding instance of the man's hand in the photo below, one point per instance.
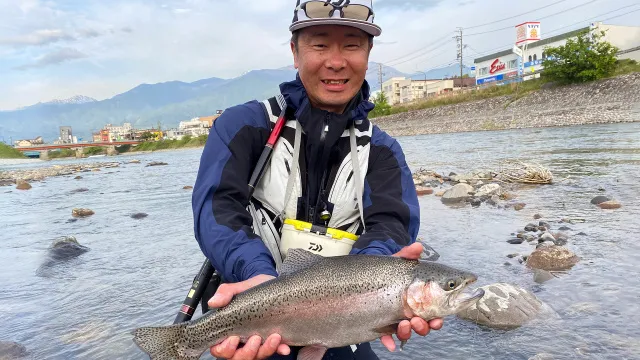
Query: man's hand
(228, 349)
(420, 326)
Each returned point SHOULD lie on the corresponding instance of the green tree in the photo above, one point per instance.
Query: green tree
(382, 106)
(145, 136)
(584, 58)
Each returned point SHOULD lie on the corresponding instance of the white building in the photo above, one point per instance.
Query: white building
(400, 90)
(194, 127)
(118, 133)
(503, 67)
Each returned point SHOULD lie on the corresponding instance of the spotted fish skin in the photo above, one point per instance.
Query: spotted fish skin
(316, 301)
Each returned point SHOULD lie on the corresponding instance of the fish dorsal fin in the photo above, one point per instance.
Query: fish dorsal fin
(298, 259)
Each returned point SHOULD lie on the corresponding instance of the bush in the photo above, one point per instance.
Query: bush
(382, 106)
(583, 58)
(8, 152)
(94, 150)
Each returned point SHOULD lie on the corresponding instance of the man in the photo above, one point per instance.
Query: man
(331, 168)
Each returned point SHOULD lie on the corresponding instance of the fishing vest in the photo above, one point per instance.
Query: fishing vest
(276, 195)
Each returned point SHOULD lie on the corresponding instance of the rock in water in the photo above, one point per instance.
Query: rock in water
(423, 190)
(552, 258)
(22, 185)
(79, 212)
(139, 216)
(488, 190)
(157, 163)
(599, 199)
(12, 350)
(459, 192)
(609, 205)
(519, 206)
(66, 247)
(187, 187)
(503, 306)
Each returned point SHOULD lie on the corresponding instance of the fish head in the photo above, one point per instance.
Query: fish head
(437, 291)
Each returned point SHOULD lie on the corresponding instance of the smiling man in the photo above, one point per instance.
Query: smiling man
(335, 184)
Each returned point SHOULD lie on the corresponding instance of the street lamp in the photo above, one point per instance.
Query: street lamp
(425, 82)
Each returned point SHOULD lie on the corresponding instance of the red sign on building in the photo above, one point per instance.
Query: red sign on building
(496, 66)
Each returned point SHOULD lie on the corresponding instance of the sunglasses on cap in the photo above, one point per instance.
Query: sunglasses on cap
(326, 9)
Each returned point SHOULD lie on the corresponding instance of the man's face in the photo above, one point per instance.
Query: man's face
(332, 61)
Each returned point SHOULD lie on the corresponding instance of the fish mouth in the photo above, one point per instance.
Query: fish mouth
(458, 300)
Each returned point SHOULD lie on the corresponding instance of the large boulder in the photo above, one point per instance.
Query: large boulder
(599, 199)
(488, 190)
(66, 247)
(609, 205)
(552, 258)
(12, 350)
(22, 185)
(503, 306)
(458, 193)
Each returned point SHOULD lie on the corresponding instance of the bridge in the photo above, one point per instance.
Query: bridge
(41, 151)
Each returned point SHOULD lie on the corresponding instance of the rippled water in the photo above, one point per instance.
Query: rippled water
(138, 271)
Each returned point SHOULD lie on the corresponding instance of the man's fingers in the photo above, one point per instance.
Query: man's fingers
(404, 330)
(270, 346)
(412, 251)
(250, 350)
(284, 350)
(420, 326)
(226, 349)
(387, 341)
(436, 324)
(223, 296)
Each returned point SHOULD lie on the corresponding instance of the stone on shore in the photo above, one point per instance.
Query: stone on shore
(423, 190)
(157, 163)
(552, 258)
(77, 177)
(134, 161)
(503, 306)
(22, 185)
(488, 190)
(458, 193)
(519, 206)
(80, 212)
(609, 205)
(187, 187)
(599, 199)
(12, 350)
(138, 216)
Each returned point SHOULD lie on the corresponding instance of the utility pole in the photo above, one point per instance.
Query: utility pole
(380, 75)
(461, 46)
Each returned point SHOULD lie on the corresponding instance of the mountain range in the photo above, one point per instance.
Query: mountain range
(165, 103)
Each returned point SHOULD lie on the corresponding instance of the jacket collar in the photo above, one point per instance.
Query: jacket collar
(296, 97)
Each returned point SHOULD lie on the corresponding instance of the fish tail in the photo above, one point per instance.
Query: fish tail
(165, 342)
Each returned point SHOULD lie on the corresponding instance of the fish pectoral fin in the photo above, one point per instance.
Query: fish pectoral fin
(387, 330)
(298, 259)
(313, 352)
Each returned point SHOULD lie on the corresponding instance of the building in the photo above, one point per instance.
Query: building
(504, 66)
(194, 127)
(210, 119)
(400, 90)
(29, 142)
(174, 134)
(119, 133)
(66, 135)
(96, 137)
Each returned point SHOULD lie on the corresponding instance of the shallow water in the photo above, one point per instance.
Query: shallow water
(138, 271)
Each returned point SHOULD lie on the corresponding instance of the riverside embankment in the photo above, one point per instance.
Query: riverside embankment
(613, 100)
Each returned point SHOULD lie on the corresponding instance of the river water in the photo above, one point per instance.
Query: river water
(138, 271)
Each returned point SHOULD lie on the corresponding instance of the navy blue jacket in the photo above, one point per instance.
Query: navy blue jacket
(222, 224)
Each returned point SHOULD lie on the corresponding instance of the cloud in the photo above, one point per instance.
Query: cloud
(380, 42)
(405, 4)
(37, 38)
(89, 33)
(53, 58)
(181, 11)
(127, 29)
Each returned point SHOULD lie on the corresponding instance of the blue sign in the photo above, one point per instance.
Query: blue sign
(473, 68)
(533, 63)
(489, 79)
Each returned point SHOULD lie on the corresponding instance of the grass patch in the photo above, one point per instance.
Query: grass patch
(8, 152)
(62, 153)
(186, 142)
(626, 66)
(94, 150)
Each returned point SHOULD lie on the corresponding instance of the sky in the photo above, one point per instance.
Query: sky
(55, 49)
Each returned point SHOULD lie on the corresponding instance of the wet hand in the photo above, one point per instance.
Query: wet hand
(254, 348)
(417, 324)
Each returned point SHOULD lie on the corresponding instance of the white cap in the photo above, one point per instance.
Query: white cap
(301, 20)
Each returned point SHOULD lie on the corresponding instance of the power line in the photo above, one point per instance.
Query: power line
(515, 16)
(423, 51)
(538, 19)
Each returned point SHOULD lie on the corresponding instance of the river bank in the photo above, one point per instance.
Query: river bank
(613, 100)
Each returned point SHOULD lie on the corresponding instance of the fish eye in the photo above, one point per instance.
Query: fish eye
(451, 284)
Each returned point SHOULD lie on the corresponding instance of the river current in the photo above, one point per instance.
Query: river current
(138, 271)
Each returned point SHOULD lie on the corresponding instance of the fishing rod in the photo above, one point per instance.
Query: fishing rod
(207, 274)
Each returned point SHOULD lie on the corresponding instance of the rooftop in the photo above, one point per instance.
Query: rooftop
(533, 45)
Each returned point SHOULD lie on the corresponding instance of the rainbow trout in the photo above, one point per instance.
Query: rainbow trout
(319, 303)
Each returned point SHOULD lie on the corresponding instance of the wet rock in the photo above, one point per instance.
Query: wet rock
(546, 237)
(561, 239)
(564, 228)
(537, 216)
(515, 241)
(488, 190)
(72, 220)
(22, 185)
(96, 169)
(157, 163)
(609, 205)
(77, 177)
(79, 190)
(545, 224)
(511, 256)
(188, 187)
(503, 306)
(529, 238)
(134, 161)
(80, 212)
(139, 216)
(552, 258)
(493, 200)
(475, 202)
(440, 193)
(541, 356)
(599, 199)
(457, 193)
(542, 228)
(545, 244)
(12, 350)
(531, 227)
(581, 234)
(423, 190)
(519, 206)
(66, 247)
(507, 196)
